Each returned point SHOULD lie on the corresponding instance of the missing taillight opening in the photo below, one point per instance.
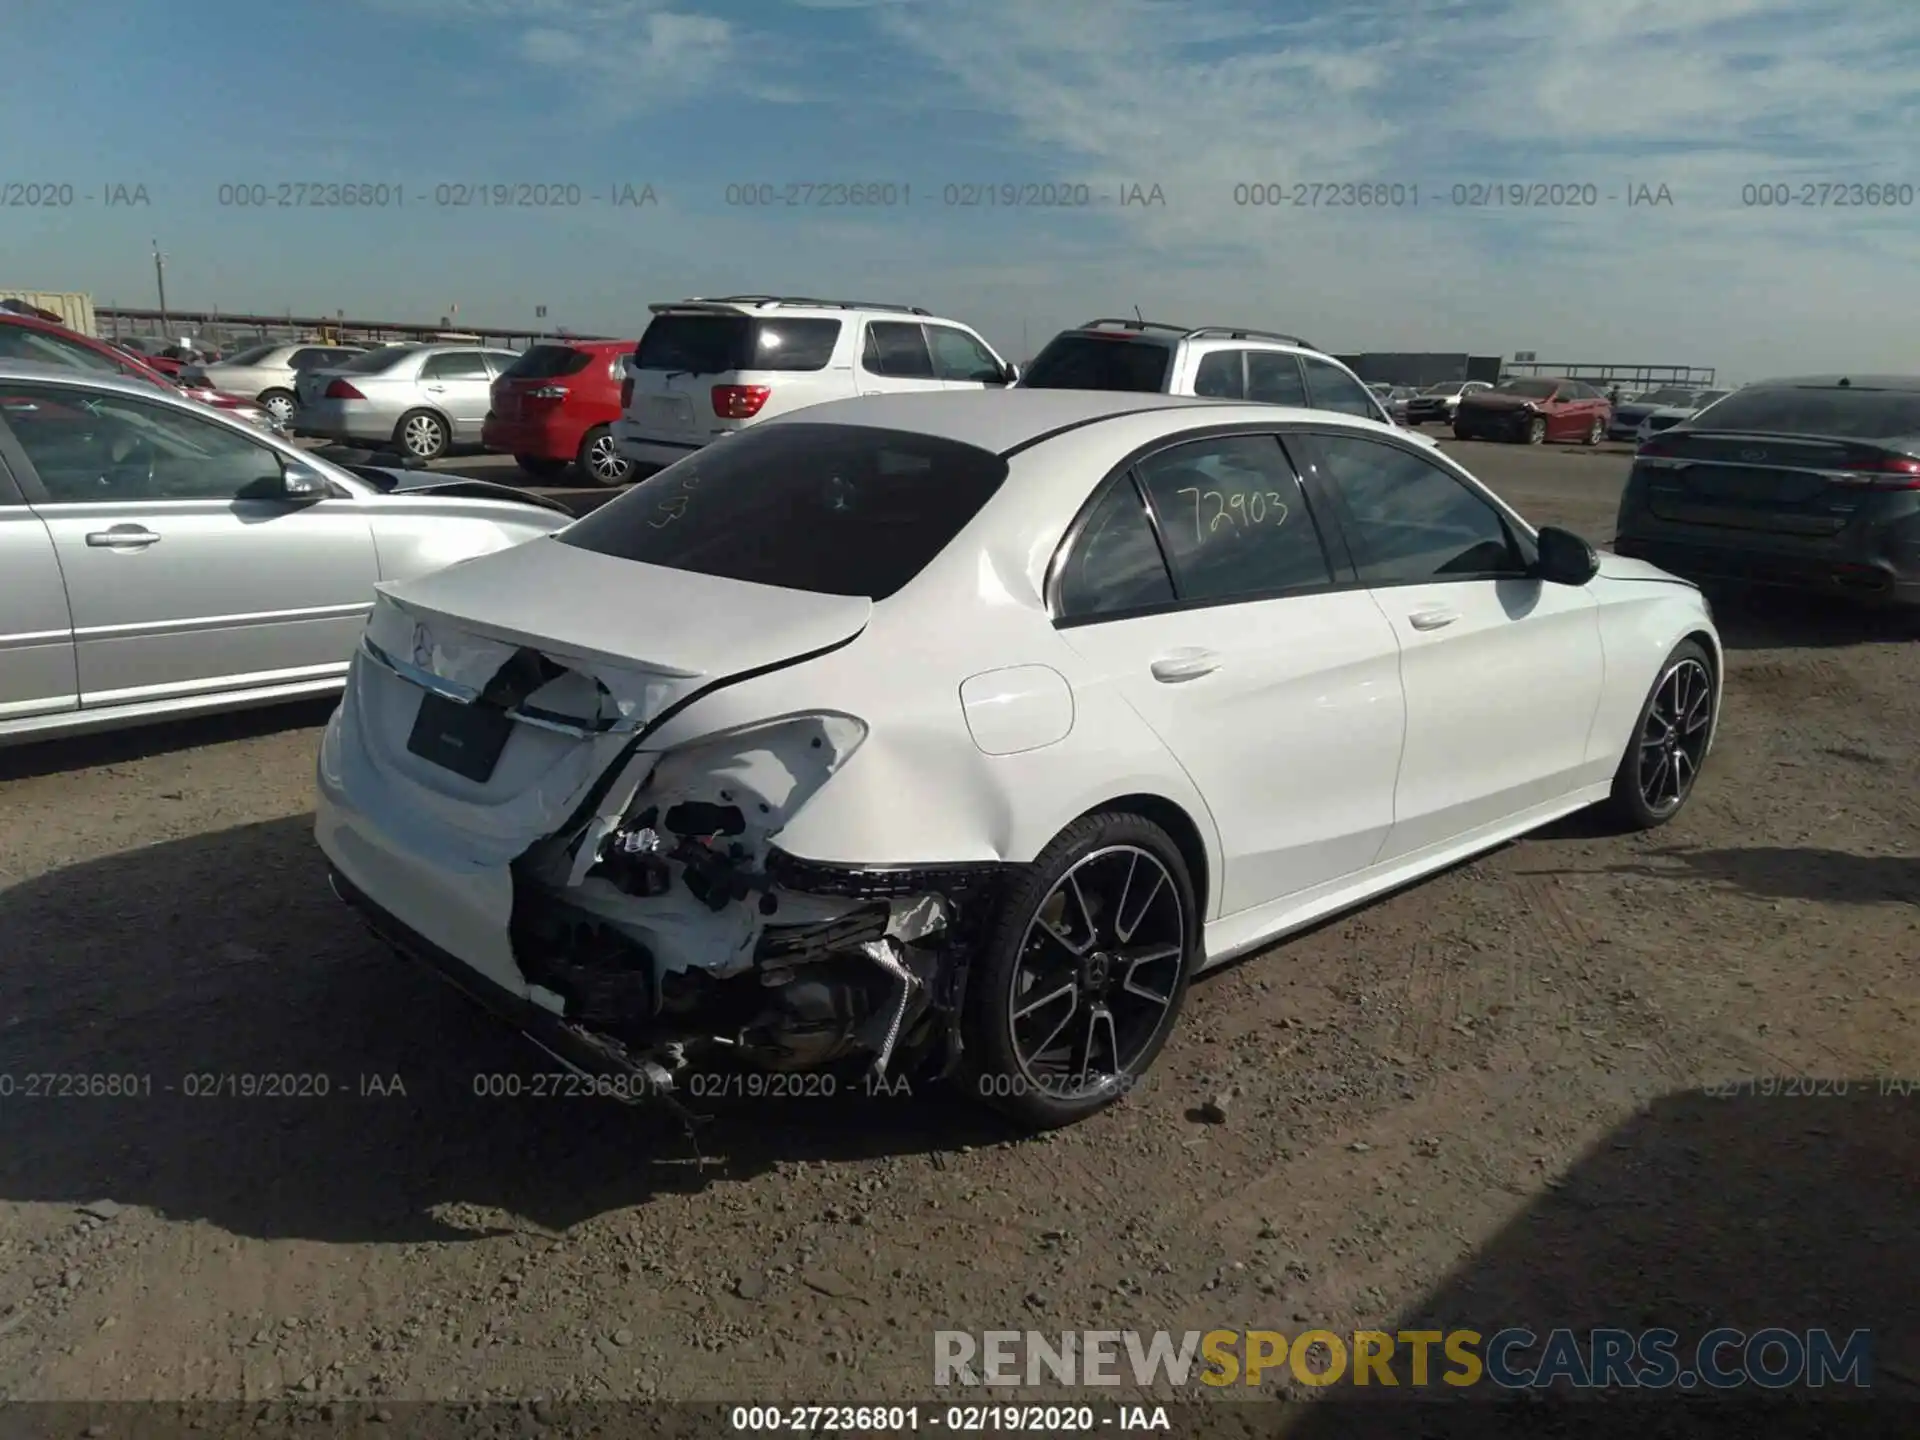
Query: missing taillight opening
(739, 402)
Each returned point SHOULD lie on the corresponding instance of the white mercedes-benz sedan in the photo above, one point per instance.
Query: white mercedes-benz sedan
(957, 733)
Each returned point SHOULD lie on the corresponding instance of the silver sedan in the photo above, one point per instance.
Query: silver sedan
(266, 373)
(423, 400)
(159, 559)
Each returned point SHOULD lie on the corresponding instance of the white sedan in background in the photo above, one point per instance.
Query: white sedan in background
(959, 732)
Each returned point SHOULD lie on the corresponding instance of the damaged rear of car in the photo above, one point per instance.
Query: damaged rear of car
(535, 783)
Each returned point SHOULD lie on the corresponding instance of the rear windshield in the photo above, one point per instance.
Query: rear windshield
(547, 362)
(376, 362)
(717, 344)
(253, 354)
(1091, 362)
(1848, 414)
(832, 509)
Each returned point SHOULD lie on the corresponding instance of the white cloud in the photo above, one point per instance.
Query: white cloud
(1703, 95)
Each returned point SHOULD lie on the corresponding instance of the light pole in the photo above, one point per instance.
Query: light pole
(160, 279)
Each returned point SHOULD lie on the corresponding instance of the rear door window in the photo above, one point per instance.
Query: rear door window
(1094, 362)
(832, 509)
(1273, 378)
(1221, 375)
(455, 365)
(897, 350)
(1234, 519)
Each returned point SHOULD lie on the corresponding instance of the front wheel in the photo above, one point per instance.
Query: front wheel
(600, 461)
(1537, 431)
(422, 434)
(1083, 972)
(1669, 744)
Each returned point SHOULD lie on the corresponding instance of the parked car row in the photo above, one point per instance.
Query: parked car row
(34, 341)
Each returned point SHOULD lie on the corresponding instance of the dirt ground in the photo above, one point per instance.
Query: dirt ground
(1487, 1099)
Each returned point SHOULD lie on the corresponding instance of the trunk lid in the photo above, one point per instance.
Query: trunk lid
(489, 697)
(648, 620)
(1786, 484)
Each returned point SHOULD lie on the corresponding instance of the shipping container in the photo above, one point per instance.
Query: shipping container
(70, 308)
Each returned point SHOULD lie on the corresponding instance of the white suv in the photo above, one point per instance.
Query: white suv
(1212, 361)
(706, 368)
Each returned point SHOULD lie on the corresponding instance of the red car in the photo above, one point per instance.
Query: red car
(22, 337)
(556, 406)
(1534, 412)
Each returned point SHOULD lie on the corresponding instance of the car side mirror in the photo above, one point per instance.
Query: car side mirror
(1564, 558)
(1012, 373)
(302, 482)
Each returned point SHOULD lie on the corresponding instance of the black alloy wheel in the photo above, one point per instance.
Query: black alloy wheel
(1670, 741)
(1083, 974)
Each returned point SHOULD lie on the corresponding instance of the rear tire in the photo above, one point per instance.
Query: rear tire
(1597, 432)
(279, 404)
(1102, 931)
(540, 466)
(1669, 741)
(601, 463)
(421, 434)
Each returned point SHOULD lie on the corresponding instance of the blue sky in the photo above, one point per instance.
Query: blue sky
(1196, 97)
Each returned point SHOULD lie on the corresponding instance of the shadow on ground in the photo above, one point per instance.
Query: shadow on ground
(1704, 1211)
(1761, 619)
(225, 955)
(117, 747)
(1781, 872)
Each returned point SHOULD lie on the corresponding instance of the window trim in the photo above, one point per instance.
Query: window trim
(1522, 535)
(1332, 543)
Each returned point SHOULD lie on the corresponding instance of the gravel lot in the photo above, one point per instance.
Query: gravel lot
(1484, 1099)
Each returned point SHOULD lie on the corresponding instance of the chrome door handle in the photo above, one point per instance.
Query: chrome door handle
(1184, 665)
(1432, 619)
(119, 537)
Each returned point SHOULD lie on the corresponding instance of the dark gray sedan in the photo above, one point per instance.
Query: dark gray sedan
(1810, 484)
